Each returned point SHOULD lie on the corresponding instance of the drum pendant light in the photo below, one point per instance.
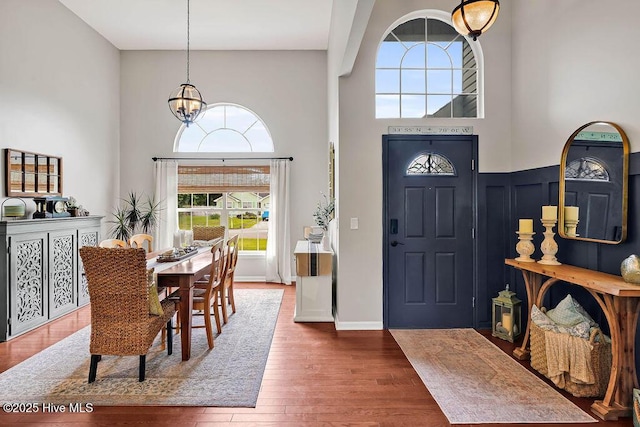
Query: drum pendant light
(186, 102)
(474, 17)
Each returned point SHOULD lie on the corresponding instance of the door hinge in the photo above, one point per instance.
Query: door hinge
(473, 164)
(473, 302)
(9, 322)
(473, 233)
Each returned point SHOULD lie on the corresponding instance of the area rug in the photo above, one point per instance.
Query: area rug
(474, 382)
(228, 375)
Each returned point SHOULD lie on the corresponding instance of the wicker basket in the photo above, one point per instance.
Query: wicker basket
(600, 363)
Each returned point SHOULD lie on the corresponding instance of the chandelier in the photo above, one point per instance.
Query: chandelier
(474, 17)
(186, 102)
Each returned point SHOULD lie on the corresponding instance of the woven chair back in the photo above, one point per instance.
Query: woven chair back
(202, 232)
(119, 296)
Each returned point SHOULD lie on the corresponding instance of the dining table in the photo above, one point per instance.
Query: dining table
(182, 274)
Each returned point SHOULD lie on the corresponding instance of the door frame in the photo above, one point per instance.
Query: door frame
(386, 140)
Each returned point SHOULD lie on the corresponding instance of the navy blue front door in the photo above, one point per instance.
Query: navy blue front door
(428, 256)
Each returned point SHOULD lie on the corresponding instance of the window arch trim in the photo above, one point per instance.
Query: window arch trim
(258, 119)
(443, 16)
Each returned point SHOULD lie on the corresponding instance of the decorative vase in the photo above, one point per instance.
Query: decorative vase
(630, 269)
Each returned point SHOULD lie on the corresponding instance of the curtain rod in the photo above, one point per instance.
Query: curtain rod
(221, 158)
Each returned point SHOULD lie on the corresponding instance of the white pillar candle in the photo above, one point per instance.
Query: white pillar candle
(571, 213)
(525, 226)
(177, 239)
(550, 212)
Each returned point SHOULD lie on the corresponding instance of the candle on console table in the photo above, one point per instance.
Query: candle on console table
(571, 213)
(507, 322)
(525, 226)
(550, 213)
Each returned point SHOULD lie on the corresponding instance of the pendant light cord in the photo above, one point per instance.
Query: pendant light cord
(188, 31)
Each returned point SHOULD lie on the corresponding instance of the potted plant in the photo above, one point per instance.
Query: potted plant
(322, 215)
(135, 214)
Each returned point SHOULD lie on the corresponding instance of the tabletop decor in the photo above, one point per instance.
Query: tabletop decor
(323, 215)
(525, 235)
(549, 247)
(571, 214)
(630, 269)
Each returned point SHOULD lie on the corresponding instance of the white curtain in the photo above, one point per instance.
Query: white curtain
(279, 241)
(166, 176)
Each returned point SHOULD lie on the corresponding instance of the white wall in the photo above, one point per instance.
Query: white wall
(573, 62)
(286, 89)
(59, 81)
(359, 290)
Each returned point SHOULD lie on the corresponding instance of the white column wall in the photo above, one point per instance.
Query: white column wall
(59, 81)
(359, 290)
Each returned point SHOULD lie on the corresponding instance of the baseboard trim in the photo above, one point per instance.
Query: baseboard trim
(356, 326)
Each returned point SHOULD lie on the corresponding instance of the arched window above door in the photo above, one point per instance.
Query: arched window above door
(225, 128)
(425, 68)
(431, 164)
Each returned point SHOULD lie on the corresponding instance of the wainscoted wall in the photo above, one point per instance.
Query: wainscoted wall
(503, 198)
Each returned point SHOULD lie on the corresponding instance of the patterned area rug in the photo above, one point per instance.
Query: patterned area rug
(228, 375)
(474, 382)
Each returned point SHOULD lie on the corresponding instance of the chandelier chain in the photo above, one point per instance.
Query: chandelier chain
(188, 38)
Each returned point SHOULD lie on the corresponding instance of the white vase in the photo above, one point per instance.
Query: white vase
(325, 242)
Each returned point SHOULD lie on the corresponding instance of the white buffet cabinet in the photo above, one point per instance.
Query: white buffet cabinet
(41, 275)
(314, 293)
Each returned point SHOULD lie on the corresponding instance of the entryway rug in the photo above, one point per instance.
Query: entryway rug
(228, 375)
(474, 382)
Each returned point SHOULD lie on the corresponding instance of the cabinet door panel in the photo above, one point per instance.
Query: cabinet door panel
(27, 281)
(87, 237)
(62, 272)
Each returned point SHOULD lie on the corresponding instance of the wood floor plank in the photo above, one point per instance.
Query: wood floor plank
(315, 376)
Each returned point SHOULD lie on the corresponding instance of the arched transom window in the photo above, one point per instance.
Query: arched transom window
(586, 169)
(431, 164)
(424, 68)
(225, 128)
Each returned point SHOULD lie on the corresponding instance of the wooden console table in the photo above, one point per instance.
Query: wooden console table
(620, 302)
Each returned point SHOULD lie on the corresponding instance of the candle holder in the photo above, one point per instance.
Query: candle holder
(571, 227)
(525, 247)
(549, 247)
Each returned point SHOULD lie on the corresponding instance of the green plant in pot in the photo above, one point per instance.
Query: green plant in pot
(135, 214)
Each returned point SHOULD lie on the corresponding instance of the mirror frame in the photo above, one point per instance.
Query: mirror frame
(625, 184)
(51, 184)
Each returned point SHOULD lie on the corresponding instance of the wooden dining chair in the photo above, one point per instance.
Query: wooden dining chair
(122, 323)
(142, 241)
(226, 290)
(113, 243)
(207, 292)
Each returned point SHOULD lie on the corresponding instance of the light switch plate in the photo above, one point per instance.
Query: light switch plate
(354, 223)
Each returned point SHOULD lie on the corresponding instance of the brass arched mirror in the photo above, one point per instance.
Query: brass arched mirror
(594, 171)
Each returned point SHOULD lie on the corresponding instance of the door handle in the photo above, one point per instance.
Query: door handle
(396, 243)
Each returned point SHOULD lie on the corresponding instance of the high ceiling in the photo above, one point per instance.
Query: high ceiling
(215, 24)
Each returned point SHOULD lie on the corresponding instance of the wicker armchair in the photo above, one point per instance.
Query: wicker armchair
(119, 294)
(202, 232)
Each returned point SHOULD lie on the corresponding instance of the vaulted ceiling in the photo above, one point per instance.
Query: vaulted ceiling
(215, 24)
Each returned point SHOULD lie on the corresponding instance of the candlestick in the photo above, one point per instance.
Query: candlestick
(571, 227)
(550, 212)
(525, 247)
(525, 226)
(549, 247)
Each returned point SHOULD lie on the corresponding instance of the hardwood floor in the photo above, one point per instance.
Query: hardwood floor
(315, 376)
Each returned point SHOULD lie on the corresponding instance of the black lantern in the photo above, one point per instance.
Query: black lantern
(506, 316)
